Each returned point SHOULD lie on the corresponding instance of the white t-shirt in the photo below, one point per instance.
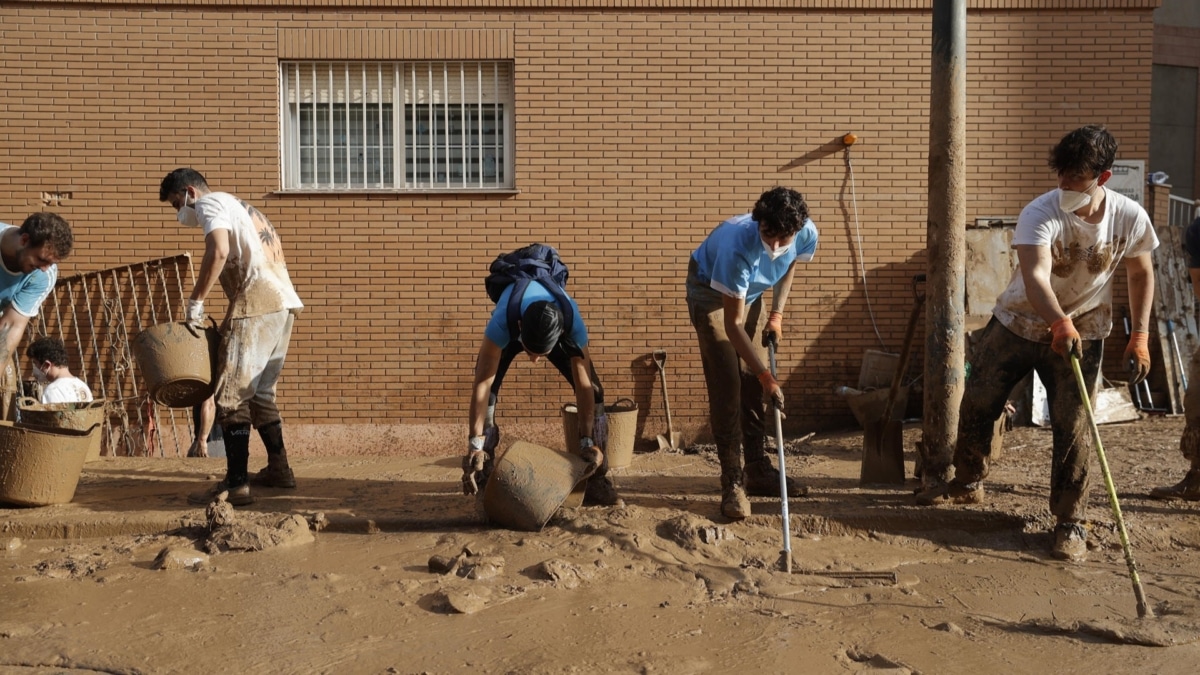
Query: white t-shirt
(255, 277)
(66, 390)
(1084, 259)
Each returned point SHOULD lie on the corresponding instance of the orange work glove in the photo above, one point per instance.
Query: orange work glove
(1137, 353)
(771, 388)
(774, 327)
(1066, 339)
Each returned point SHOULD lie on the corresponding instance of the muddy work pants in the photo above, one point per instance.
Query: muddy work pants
(1189, 443)
(999, 361)
(250, 360)
(735, 397)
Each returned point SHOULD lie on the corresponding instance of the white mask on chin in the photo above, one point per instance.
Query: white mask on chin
(774, 255)
(1071, 201)
(187, 216)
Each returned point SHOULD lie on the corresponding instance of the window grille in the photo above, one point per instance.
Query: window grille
(415, 125)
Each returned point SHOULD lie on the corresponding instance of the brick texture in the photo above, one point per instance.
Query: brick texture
(637, 131)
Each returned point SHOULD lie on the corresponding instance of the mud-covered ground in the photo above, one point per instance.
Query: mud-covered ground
(661, 584)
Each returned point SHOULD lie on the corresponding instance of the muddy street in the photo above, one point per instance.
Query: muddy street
(398, 574)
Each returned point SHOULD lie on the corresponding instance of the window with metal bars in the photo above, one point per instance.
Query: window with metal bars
(412, 125)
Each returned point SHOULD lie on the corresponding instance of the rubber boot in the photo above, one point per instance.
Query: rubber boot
(734, 503)
(237, 457)
(277, 473)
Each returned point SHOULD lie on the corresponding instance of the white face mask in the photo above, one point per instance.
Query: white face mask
(774, 255)
(39, 374)
(1071, 201)
(187, 215)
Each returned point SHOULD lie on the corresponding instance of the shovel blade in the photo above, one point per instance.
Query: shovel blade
(883, 454)
(671, 443)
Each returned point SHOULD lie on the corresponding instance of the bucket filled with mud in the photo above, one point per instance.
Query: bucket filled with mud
(176, 361)
(79, 416)
(528, 484)
(41, 466)
(622, 431)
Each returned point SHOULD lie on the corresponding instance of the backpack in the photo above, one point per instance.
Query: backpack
(536, 262)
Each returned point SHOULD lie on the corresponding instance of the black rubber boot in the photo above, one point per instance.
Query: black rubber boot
(236, 482)
(277, 473)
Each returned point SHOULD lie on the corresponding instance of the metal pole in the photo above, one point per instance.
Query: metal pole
(946, 238)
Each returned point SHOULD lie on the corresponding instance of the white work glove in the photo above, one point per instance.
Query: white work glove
(195, 313)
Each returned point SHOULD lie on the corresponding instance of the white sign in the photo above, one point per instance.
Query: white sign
(1129, 178)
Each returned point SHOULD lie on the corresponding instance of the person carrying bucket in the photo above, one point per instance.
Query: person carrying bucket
(242, 249)
(30, 254)
(535, 315)
(727, 276)
(1058, 304)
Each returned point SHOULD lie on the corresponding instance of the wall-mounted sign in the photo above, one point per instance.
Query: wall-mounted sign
(1129, 178)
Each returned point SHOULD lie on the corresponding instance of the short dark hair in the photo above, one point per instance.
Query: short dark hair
(781, 212)
(49, 349)
(49, 229)
(1089, 148)
(541, 327)
(180, 179)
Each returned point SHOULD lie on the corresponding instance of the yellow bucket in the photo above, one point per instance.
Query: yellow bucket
(622, 431)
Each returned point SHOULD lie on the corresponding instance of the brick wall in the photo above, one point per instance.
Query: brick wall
(638, 130)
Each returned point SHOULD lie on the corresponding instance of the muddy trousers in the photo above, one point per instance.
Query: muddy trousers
(562, 361)
(1189, 443)
(735, 397)
(251, 358)
(999, 361)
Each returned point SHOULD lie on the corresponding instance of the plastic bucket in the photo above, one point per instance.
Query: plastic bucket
(40, 466)
(79, 416)
(622, 431)
(528, 484)
(177, 363)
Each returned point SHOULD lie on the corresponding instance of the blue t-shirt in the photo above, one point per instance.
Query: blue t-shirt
(25, 292)
(497, 327)
(734, 261)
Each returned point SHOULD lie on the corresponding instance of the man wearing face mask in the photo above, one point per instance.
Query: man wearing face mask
(243, 251)
(1070, 243)
(50, 368)
(30, 254)
(727, 276)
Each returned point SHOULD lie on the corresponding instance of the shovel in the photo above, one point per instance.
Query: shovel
(1139, 593)
(883, 439)
(670, 441)
(785, 556)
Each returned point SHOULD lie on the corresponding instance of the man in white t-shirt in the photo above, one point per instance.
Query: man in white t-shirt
(242, 250)
(1070, 243)
(50, 368)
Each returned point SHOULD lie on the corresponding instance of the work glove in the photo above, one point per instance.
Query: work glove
(1137, 354)
(1066, 339)
(195, 313)
(771, 389)
(774, 328)
(591, 454)
(473, 465)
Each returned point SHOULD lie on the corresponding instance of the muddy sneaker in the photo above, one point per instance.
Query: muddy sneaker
(600, 492)
(734, 503)
(275, 477)
(238, 496)
(1070, 542)
(762, 480)
(1187, 489)
(951, 493)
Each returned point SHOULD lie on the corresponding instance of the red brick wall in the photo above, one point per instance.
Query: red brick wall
(637, 132)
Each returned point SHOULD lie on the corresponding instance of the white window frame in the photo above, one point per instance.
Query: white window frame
(343, 131)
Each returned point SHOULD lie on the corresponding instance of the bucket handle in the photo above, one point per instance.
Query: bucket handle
(192, 329)
(27, 402)
(629, 403)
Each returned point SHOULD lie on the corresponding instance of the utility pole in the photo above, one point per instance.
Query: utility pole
(945, 239)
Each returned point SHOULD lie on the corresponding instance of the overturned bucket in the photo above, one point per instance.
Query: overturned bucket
(177, 362)
(79, 416)
(528, 484)
(40, 466)
(622, 431)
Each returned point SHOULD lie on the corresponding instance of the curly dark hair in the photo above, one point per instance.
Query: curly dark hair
(180, 179)
(1087, 149)
(51, 230)
(49, 349)
(781, 212)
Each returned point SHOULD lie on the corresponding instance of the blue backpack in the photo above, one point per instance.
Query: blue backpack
(536, 262)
